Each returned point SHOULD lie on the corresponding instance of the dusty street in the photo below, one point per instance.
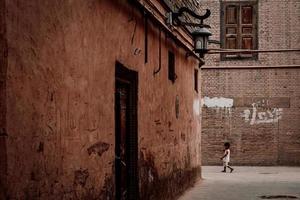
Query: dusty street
(246, 183)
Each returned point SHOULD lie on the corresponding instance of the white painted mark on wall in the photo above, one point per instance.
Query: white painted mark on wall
(217, 102)
(271, 115)
(196, 106)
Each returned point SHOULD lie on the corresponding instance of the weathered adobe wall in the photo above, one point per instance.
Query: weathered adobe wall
(60, 102)
(257, 110)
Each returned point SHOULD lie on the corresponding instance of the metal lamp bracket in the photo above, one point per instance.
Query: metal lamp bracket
(174, 20)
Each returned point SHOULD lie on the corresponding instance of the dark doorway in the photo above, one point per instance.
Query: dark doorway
(126, 143)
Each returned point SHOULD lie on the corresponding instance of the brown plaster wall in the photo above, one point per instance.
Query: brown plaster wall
(60, 102)
(3, 68)
(264, 94)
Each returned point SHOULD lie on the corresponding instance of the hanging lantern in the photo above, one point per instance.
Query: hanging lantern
(201, 37)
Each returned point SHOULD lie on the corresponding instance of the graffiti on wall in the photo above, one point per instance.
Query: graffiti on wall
(256, 116)
(264, 110)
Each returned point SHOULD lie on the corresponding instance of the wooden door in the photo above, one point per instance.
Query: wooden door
(121, 122)
(126, 137)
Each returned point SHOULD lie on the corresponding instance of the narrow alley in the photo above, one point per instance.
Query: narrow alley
(142, 99)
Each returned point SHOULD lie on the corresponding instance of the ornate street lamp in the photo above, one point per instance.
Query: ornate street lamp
(201, 40)
(200, 33)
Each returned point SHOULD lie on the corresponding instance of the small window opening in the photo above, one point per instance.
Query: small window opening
(171, 67)
(196, 80)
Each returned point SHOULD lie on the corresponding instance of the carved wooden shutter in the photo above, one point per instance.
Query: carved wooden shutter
(239, 30)
(248, 27)
(231, 27)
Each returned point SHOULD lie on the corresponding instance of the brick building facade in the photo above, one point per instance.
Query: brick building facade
(87, 99)
(254, 103)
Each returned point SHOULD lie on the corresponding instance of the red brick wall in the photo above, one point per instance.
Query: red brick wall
(263, 122)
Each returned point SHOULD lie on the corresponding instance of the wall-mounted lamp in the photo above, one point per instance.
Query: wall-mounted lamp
(201, 40)
(200, 34)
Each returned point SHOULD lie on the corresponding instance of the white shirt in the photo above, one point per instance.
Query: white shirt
(227, 157)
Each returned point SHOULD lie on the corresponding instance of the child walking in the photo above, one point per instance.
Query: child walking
(226, 157)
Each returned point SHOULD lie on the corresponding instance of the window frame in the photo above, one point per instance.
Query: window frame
(254, 4)
(196, 80)
(172, 66)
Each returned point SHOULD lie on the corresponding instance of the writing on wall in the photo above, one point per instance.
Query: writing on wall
(258, 115)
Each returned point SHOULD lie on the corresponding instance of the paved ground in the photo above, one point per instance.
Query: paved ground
(245, 183)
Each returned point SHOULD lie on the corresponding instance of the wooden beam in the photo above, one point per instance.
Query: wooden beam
(219, 51)
(251, 67)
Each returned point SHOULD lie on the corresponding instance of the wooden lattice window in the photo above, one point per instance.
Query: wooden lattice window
(239, 27)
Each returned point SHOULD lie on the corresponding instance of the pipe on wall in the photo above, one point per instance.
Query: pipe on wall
(147, 9)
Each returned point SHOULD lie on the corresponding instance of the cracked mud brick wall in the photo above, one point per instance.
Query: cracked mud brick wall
(60, 102)
(257, 110)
